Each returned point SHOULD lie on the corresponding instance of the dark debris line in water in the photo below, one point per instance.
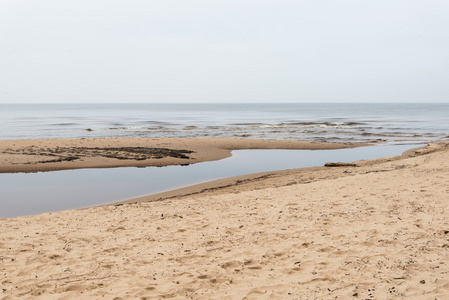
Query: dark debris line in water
(74, 153)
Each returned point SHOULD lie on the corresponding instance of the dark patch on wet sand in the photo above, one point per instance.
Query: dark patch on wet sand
(74, 153)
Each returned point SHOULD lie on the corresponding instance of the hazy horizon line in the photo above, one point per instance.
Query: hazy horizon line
(339, 102)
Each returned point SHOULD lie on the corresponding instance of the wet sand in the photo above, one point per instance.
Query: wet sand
(377, 229)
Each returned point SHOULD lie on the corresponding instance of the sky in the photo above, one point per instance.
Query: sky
(92, 51)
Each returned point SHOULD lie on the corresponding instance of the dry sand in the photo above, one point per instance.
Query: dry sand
(379, 230)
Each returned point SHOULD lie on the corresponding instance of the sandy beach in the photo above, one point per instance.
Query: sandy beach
(374, 229)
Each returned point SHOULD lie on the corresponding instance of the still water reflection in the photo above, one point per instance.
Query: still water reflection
(33, 193)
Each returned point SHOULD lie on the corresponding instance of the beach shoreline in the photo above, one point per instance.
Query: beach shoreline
(370, 229)
(280, 178)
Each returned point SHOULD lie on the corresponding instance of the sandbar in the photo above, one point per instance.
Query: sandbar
(64, 154)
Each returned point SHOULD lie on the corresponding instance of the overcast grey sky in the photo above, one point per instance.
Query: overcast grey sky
(224, 51)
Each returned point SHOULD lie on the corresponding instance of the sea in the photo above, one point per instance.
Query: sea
(392, 123)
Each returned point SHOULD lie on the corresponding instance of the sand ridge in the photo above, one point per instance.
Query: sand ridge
(376, 231)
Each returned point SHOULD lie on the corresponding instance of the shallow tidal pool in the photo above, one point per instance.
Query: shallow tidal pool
(24, 194)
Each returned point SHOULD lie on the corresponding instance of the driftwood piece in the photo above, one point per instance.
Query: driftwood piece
(339, 164)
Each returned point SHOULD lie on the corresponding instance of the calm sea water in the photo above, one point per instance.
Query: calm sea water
(383, 123)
